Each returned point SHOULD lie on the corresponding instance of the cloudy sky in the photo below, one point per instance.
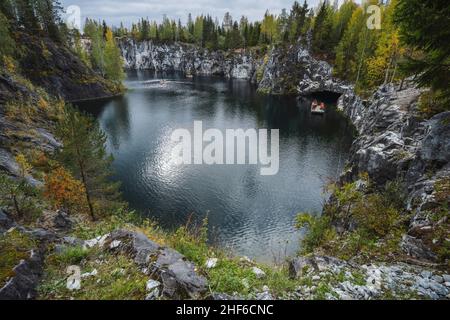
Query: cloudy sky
(115, 11)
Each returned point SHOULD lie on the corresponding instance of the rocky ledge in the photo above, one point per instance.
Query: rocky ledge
(59, 71)
(187, 58)
(394, 142)
(170, 274)
(338, 279)
(283, 70)
(293, 70)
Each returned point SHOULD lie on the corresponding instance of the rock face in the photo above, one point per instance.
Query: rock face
(33, 134)
(26, 278)
(60, 72)
(395, 143)
(178, 276)
(186, 58)
(5, 221)
(374, 281)
(293, 70)
(284, 70)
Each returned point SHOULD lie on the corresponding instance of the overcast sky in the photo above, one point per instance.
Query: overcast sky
(115, 11)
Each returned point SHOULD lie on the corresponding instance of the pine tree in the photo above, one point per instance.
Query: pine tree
(342, 19)
(95, 33)
(7, 8)
(113, 59)
(26, 15)
(7, 47)
(424, 26)
(382, 67)
(346, 52)
(322, 31)
(85, 155)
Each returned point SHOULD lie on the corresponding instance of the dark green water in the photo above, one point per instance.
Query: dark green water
(248, 213)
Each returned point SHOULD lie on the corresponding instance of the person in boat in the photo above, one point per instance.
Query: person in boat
(314, 104)
(322, 106)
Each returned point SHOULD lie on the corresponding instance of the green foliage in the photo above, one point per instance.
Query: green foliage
(118, 277)
(85, 155)
(319, 231)
(14, 246)
(323, 30)
(72, 255)
(423, 26)
(8, 45)
(36, 16)
(373, 217)
(430, 104)
(20, 197)
(105, 55)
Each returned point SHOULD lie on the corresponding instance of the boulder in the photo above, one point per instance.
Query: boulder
(436, 144)
(5, 222)
(55, 220)
(298, 265)
(179, 277)
(26, 278)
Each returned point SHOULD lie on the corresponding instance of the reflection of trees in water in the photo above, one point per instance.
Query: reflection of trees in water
(116, 122)
(114, 116)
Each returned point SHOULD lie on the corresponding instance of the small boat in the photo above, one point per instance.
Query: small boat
(317, 108)
(189, 75)
(163, 83)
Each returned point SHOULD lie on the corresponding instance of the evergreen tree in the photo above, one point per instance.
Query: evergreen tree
(424, 26)
(26, 15)
(85, 155)
(7, 47)
(322, 32)
(346, 52)
(7, 8)
(95, 33)
(113, 59)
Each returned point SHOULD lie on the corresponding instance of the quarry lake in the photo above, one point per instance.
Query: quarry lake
(248, 213)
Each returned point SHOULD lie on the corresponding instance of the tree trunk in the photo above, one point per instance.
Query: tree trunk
(16, 206)
(88, 195)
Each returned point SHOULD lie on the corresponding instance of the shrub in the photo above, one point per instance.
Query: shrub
(376, 215)
(14, 246)
(19, 196)
(64, 191)
(431, 103)
(319, 230)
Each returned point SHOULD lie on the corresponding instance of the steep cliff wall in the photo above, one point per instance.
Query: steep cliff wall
(293, 70)
(395, 142)
(283, 70)
(187, 58)
(59, 71)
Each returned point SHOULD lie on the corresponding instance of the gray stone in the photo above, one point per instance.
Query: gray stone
(153, 289)
(258, 272)
(223, 296)
(55, 220)
(298, 265)
(415, 248)
(211, 263)
(5, 222)
(26, 278)
(187, 281)
(264, 296)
